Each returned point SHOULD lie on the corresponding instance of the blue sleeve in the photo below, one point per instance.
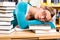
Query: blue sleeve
(20, 12)
(21, 9)
(52, 25)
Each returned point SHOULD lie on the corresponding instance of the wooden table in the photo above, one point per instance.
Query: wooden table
(28, 35)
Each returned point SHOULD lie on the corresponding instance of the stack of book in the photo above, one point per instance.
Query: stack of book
(6, 16)
(38, 29)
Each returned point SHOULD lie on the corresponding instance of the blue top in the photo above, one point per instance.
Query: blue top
(20, 13)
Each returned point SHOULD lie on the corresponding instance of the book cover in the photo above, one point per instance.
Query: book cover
(6, 27)
(5, 3)
(56, 2)
(1, 11)
(45, 31)
(59, 1)
(8, 3)
(6, 31)
(5, 23)
(6, 15)
(44, 1)
(48, 2)
(6, 8)
(1, 0)
(6, 19)
(52, 1)
(58, 17)
(41, 27)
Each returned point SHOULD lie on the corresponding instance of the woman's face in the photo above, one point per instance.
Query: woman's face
(43, 15)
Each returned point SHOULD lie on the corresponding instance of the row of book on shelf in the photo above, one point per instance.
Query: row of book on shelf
(38, 3)
(42, 2)
(50, 1)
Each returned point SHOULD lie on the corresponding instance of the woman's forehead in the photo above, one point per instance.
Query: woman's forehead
(48, 12)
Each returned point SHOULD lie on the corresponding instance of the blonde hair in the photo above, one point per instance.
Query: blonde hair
(50, 9)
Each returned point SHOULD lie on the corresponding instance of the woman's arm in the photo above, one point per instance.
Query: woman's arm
(31, 13)
(28, 16)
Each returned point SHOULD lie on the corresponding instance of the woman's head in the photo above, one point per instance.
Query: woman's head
(44, 13)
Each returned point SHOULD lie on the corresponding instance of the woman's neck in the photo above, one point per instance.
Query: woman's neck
(33, 10)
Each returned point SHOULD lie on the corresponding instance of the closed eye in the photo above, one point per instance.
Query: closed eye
(45, 19)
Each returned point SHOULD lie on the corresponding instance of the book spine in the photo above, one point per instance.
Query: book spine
(44, 1)
(5, 23)
(40, 31)
(1, 0)
(7, 32)
(45, 31)
(6, 19)
(41, 1)
(6, 15)
(59, 20)
(9, 0)
(7, 3)
(40, 27)
(6, 27)
(48, 2)
(59, 16)
(59, 1)
(55, 1)
(52, 1)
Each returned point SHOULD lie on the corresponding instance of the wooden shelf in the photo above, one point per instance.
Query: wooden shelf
(57, 25)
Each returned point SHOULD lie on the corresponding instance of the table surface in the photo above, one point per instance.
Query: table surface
(29, 34)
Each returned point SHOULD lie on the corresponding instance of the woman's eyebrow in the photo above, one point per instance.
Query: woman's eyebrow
(45, 14)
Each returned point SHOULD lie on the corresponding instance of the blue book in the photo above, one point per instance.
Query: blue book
(1, 0)
(55, 1)
(52, 1)
(59, 1)
(44, 1)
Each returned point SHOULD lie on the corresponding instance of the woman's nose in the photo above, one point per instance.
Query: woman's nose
(42, 17)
